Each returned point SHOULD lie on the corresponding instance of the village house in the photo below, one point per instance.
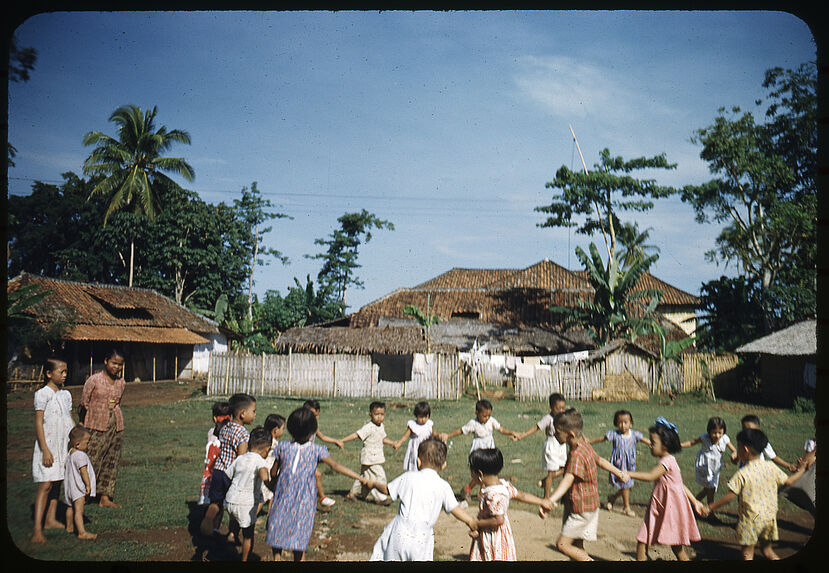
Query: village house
(161, 339)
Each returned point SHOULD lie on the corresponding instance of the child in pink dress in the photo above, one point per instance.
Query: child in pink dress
(493, 540)
(669, 519)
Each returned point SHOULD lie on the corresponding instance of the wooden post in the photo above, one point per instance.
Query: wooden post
(90, 359)
(334, 388)
(262, 386)
(437, 382)
(175, 365)
(153, 365)
(227, 371)
(289, 371)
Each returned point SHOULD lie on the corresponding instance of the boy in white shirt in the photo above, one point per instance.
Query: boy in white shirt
(752, 422)
(372, 458)
(247, 473)
(422, 494)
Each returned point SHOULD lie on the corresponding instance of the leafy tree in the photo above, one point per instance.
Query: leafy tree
(33, 338)
(132, 166)
(21, 62)
(340, 258)
(634, 244)
(600, 195)
(608, 316)
(252, 212)
(424, 319)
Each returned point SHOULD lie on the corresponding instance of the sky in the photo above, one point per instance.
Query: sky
(447, 124)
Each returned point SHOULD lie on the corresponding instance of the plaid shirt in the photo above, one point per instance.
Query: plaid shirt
(230, 436)
(100, 396)
(583, 495)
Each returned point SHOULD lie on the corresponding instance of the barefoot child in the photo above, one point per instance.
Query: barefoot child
(422, 494)
(752, 422)
(755, 485)
(247, 473)
(274, 427)
(709, 458)
(373, 436)
(53, 422)
(494, 541)
(482, 426)
(418, 429)
(79, 481)
(293, 508)
(622, 455)
(669, 519)
(554, 454)
(221, 415)
(314, 406)
(579, 487)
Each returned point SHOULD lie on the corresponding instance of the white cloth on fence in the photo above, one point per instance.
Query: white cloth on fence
(524, 370)
(543, 368)
(419, 364)
(511, 361)
(497, 360)
(532, 360)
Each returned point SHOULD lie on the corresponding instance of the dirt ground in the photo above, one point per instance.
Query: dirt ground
(535, 538)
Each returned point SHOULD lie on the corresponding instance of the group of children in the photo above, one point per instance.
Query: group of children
(244, 470)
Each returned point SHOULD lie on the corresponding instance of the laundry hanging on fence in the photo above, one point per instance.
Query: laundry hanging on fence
(524, 370)
(393, 367)
(497, 360)
(532, 360)
(419, 364)
(511, 361)
(543, 368)
(568, 357)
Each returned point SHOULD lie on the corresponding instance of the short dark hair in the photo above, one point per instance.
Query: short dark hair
(569, 420)
(751, 419)
(113, 352)
(51, 364)
(488, 461)
(715, 423)
(258, 438)
(220, 409)
(668, 436)
(432, 452)
(556, 397)
(239, 402)
(313, 404)
(482, 405)
(621, 413)
(302, 424)
(374, 405)
(273, 421)
(76, 433)
(755, 440)
(422, 409)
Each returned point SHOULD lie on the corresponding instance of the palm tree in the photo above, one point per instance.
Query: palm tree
(132, 166)
(633, 244)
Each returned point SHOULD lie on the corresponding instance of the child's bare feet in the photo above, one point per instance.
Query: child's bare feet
(53, 524)
(38, 538)
(87, 535)
(105, 501)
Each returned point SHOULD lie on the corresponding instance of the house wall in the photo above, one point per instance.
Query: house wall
(143, 360)
(781, 379)
(680, 317)
(201, 353)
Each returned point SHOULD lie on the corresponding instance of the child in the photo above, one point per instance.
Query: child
(53, 421)
(482, 427)
(709, 458)
(291, 516)
(233, 438)
(247, 473)
(752, 422)
(579, 487)
(755, 485)
(802, 492)
(623, 442)
(274, 427)
(79, 481)
(422, 494)
(221, 415)
(494, 541)
(373, 436)
(314, 406)
(554, 454)
(418, 430)
(669, 519)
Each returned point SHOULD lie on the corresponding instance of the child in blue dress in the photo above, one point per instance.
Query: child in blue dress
(622, 455)
(293, 508)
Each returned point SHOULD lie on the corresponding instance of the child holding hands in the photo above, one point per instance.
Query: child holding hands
(53, 422)
(494, 541)
(79, 481)
(579, 487)
(482, 426)
(418, 429)
(709, 458)
(554, 454)
(373, 436)
(755, 486)
(422, 494)
(221, 415)
(669, 519)
(315, 407)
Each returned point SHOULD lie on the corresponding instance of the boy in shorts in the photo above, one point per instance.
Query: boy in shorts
(579, 487)
(755, 486)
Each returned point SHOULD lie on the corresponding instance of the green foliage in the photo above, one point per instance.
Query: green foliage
(803, 405)
(634, 246)
(339, 261)
(25, 335)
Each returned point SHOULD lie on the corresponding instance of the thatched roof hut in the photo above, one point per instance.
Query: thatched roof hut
(797, 340)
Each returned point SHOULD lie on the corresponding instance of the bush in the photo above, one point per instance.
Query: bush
(803, 405)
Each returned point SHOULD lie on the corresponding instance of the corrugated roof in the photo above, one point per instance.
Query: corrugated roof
(799, 339)
(111, 312)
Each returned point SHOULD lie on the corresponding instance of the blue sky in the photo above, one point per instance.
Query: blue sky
(447, 124)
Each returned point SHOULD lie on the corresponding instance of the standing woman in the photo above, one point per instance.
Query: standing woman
(102, 399)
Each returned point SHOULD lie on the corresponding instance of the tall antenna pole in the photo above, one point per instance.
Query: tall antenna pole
(598, 212)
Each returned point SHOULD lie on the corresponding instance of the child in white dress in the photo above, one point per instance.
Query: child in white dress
(53, 421)
(482, 426)
(709, 458)
(422, 494)
(554, 453)
(247, 473)
(274, 427)
(417, 430)
(79, 480)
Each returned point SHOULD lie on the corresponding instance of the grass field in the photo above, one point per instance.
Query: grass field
(164, 443)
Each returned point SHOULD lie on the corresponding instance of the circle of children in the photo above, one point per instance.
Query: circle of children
(246, 470)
